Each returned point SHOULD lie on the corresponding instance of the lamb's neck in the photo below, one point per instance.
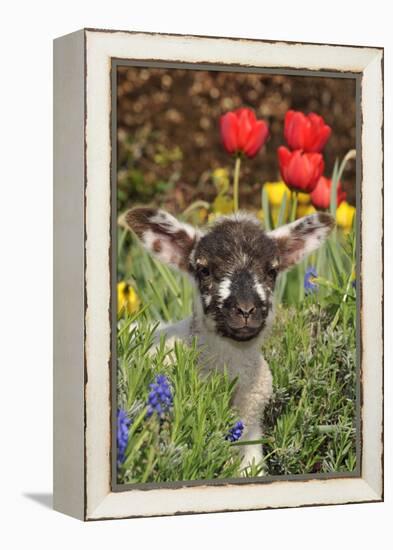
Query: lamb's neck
(222, 350)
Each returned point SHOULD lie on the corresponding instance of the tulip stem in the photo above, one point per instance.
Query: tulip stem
(236, 177)
(294, 206)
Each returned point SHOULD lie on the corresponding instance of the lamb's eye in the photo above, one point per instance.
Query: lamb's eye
(204, 271)
(272, 271)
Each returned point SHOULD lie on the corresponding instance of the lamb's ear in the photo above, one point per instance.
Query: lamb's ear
(298, 239)
(163, 235)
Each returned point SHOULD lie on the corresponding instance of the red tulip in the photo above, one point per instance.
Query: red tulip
(241, 132)
(306, 132)
(320, 197)
(300, 171)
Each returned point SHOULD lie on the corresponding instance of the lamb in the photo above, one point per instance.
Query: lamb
(234, 265)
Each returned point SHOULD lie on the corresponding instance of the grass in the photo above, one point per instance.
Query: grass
(187, 442)
(310, 421)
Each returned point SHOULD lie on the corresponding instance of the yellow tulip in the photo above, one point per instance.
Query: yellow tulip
(303, 198)
(221, 179)
(127, 298)
(304, 210)
(344, 216)
(222, 205)
(276, 191)
(261, 215)
(213, 216)
(202, 214)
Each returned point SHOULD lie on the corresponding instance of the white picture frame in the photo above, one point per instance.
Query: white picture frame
(82, 256)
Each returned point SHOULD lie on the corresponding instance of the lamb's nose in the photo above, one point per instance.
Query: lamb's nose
(245, 309)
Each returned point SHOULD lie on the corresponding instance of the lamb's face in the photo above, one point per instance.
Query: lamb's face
(235, 265)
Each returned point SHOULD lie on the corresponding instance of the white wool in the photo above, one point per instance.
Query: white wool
(168, 253)
(172, 224)
(240, 216)
(259, 288)
(224, 290)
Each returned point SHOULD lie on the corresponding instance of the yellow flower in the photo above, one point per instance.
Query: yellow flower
(304, 209)
(303, 198)
(222, 205)
(344, 216)
(261, 215)
(221, 179)
(202, 215)
(127, 298)
(213, 216)
(276, 191)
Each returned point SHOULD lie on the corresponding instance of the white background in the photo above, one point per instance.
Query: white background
(27, 29)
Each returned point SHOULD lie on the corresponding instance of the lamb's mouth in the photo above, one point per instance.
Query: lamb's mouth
(241, 334)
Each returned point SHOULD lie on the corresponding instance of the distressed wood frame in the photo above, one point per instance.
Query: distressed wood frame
(82, 254)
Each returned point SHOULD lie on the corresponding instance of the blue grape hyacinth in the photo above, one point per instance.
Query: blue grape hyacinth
(123, 424)
(235, 432)
(160, 397)
(309, 278)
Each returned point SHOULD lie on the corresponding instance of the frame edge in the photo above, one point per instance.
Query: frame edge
(68, 288)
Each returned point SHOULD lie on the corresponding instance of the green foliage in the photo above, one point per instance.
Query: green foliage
(165, 157)
(135, 184)
(132, 186)
(310, 421)
(188, 442)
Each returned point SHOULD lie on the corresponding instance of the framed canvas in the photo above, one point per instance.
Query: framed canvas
(218, 274)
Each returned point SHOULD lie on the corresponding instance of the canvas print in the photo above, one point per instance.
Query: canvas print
(235, 278)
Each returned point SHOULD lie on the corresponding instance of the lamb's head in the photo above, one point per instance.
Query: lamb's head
(234, 263)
